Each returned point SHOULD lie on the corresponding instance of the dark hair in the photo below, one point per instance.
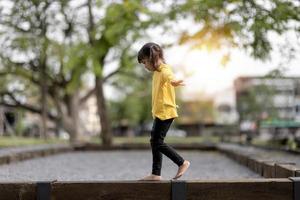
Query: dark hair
(151, 51)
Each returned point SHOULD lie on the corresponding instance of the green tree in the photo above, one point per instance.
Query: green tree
(49, 70)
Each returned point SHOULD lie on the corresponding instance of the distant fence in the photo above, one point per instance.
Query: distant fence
(242, 189)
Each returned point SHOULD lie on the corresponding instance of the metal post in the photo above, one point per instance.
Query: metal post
(43, 190)
(296, 187)
(178, 190)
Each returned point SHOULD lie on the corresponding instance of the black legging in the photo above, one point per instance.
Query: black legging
(158, 133)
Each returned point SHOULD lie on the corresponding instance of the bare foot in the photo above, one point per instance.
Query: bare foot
(182, 169)
(151, 177)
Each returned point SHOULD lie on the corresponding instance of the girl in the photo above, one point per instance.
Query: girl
(163, 109)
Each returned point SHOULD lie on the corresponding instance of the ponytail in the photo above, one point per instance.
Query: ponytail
(154, 56)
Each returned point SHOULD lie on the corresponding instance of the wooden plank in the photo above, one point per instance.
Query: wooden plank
(260, 189)
(245, 189)
(105, 190)
(17, 191)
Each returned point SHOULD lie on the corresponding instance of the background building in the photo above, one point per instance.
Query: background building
(270, 104)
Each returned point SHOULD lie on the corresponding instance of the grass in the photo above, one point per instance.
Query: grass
(12, 141)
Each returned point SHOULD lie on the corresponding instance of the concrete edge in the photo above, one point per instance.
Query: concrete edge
(35, 153)
(265, 167)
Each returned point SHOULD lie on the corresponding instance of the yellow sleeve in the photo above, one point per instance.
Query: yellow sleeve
(167, 75)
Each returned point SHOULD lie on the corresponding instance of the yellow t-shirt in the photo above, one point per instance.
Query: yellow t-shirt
(163, 94)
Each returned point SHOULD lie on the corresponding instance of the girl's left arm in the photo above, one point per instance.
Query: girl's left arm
(176, 83)
(168, 76)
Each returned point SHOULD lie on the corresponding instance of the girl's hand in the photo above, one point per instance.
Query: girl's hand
(176, 83)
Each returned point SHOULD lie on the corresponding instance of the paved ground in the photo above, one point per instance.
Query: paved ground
(279, 156)
(121, 165)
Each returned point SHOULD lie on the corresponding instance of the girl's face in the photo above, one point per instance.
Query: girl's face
(147, 64)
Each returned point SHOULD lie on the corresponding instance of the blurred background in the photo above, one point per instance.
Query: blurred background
(69, 72)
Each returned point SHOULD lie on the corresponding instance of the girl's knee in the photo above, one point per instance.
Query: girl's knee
(156, 142)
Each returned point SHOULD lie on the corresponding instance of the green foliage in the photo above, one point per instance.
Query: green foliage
(245, 24)
(125, 15)
(75, 65)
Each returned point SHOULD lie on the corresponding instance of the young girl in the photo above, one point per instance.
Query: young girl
(163, 109)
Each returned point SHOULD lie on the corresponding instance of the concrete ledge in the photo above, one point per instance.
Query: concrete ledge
(246, 189)
(26, 154)
(266, 168)
(251, 164)
(286, 170)
(4, 159)
(258, 165)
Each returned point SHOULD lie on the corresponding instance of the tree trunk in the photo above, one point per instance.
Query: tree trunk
(67, 114)
(74, 101)
(43, 82)
(1, 121)
(70, 116)
(103, 115)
